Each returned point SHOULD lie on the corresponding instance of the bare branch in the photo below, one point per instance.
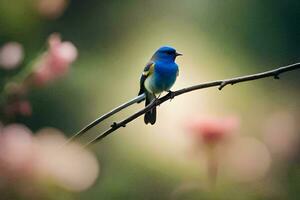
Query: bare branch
(220, 83)
(137, 99)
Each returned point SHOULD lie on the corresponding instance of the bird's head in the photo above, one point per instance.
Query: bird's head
(166, 53)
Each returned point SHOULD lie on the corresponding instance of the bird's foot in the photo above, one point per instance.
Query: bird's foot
(172, 94)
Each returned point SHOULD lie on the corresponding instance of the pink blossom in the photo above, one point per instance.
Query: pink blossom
(11, 55)
(212, 130)
(207, 133)
(25, 108)
(51, 9)
(73, 168)
(31, 159)
(18, 107)
(16, 151)
(56, 61)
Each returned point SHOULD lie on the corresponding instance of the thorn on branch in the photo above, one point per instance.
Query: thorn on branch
(114, 125)
(222, 85)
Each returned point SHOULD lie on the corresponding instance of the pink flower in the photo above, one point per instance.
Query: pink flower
(18, 107)
(56, 61)
(25, 108)
(212, 130)
(11, 55)
(69, 166)
(209, 133)
(16, 152)
(51, 9)
(28, 159)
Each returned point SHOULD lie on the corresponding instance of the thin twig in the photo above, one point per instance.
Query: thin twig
(220, 83)
(137, 99)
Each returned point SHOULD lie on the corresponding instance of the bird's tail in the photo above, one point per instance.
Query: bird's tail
(150, 116)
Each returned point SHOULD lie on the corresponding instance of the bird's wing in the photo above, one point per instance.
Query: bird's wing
(148, 70)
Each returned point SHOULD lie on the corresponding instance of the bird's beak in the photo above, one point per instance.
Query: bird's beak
(178, 54)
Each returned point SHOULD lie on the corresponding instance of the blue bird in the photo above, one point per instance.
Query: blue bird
(159, 75)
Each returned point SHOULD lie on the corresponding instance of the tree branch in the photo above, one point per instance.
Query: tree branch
(220, 83)
(137, 99)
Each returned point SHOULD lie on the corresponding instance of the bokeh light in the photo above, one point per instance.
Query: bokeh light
(64, 63)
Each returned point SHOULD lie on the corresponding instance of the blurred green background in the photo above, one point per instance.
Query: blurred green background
(219, 39)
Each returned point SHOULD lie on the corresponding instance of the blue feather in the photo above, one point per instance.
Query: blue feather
(162, 79)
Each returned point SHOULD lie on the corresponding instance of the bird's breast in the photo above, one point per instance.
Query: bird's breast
(164, 77)
(166, 70)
